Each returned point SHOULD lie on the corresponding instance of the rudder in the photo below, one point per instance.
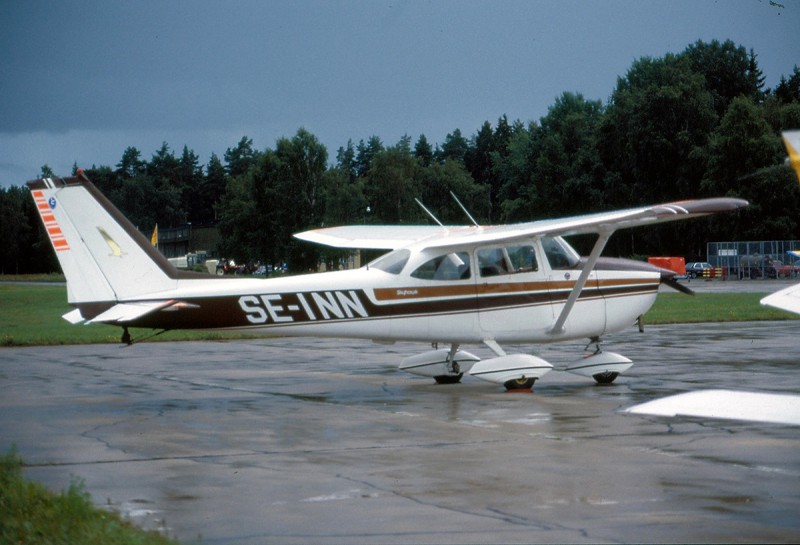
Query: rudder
(103, 256)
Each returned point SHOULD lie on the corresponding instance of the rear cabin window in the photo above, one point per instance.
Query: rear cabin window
(507, 260)
(452, 266)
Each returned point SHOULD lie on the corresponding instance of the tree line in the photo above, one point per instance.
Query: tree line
(699, 123)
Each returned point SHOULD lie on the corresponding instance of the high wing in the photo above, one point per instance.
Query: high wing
(434, 236)
(372, 237)
(726, 405)
(604, 224)
(785, 299)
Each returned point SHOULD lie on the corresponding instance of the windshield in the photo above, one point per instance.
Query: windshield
(452, 266)
(392, 263)
(559, 254)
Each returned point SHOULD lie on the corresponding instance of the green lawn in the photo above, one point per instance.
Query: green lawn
(32, 316)
(677, 308)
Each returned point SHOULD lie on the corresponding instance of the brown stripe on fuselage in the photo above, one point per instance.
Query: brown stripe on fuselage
(461, 290)
(422, 292)
(293, 308)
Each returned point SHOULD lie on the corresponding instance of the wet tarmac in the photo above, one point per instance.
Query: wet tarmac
(325, 441)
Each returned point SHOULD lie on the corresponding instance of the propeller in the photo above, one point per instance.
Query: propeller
(668, 278)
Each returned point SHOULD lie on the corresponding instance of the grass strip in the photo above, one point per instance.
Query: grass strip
(32, 313)
(31, 514)
(677, 308)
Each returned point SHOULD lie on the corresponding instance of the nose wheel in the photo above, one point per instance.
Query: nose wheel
(605, 378)
(603, 367)
(448, 379)
(522, 383)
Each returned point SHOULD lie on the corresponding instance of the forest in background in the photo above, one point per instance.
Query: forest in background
(695, 124)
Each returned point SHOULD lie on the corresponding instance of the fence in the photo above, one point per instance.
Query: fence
(756, 259)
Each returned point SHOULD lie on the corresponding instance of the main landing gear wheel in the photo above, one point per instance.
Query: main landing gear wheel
(523, 383)
(452, 367)
(605, 378)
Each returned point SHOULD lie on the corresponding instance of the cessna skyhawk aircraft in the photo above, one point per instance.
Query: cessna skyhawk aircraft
(517, 283)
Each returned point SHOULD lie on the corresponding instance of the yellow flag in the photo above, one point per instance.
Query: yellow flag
(154, 238)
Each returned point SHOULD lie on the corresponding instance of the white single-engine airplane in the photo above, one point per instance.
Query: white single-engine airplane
(517, 283)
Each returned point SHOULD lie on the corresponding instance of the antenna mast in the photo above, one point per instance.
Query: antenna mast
(475, 223)
(429, 212)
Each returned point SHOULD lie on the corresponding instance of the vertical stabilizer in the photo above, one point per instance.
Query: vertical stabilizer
(103, 256)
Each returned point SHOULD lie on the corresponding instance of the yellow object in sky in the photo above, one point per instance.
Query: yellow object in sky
(792, 141)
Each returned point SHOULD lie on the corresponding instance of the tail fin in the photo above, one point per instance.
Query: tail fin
(103, 256)
(791, 140)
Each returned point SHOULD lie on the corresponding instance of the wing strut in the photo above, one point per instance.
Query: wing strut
(602, 239)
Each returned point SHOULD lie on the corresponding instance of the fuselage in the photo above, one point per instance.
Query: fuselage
(508, 293)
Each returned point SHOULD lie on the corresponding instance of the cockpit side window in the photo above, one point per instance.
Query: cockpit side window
(559, 254)
(452, 266)
(522, 258)
(392, 263)
(507, 260)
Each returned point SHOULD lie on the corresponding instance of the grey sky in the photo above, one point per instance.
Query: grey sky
(81, 81)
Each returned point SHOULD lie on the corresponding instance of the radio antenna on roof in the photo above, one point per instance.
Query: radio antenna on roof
(429, 212)
(475, 223)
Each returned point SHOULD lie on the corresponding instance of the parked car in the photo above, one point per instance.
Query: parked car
(695, 269)
(758, 266)
(786, 270)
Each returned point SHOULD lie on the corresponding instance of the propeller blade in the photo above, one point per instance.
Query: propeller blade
(673, 283)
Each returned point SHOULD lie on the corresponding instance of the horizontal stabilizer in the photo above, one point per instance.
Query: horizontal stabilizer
(726, 405)
(74, 316)
(125, 312)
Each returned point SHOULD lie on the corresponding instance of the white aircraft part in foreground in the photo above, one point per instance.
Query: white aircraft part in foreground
(726, 405)
(487, 285)
(789, 298)
(735, 405)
